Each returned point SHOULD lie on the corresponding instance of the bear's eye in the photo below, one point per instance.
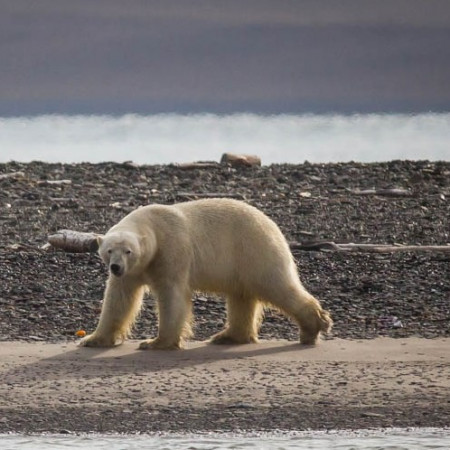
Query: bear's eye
(109, 251)
(128, 252)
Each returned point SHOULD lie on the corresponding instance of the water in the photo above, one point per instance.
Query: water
(398, 439)
(167, 138)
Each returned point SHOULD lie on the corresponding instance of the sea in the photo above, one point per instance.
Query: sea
(180, 138)
(387, 439)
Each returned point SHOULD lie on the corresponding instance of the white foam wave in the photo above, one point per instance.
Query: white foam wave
(166, 138)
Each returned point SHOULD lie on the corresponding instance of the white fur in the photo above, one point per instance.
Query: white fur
(215, 245)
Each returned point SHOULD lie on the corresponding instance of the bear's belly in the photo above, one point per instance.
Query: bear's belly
(214, 278)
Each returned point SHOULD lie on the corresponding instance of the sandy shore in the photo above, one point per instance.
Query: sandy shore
(272, 385)
(46, 296)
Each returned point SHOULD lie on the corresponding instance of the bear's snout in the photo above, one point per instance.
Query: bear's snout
(116, 269)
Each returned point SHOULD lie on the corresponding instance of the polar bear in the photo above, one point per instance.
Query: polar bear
(214, 245)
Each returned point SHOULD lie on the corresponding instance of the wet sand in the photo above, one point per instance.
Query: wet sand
(340, 384)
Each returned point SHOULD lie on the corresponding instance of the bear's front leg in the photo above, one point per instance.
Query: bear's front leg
(123, 300)
(174, 319)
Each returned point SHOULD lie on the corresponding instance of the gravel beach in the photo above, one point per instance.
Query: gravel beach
(47, 295)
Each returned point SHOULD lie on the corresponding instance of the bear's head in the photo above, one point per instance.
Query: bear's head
(120, 251)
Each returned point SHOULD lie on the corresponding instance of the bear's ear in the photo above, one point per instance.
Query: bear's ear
(99, 241)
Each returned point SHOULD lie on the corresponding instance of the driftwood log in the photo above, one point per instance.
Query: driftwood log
(394, 192)
(231, 159)
(240, 160)
(78, 242)
(197, 195)
(197, 165)
(12, 175)
(367, 248)
(74, 241)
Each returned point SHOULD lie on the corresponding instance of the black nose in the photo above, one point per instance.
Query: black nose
(115, 269)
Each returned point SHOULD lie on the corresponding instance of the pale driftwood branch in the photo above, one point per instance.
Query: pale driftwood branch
(314, 246)
(74, 241)
(240, 160)
(374, 248)
(384, 192)
(12, 175)
(54, 182)
(194, 195)
(197, 165)
(377, 248)
(231, 159)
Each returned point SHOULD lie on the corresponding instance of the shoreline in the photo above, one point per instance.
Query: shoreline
(338, 385)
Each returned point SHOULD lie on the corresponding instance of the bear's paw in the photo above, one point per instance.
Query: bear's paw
(159, 344)
(92, 340)
(226, 338)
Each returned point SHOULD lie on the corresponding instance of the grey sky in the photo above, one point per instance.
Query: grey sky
(118, 56)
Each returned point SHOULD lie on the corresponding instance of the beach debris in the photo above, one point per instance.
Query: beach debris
(236, 160)
(240, 405)
(20, 246)
(81, 333)
(371, 414)
(129, 164)
(230, 159)
(54, 182)
(394, 192)
(197, 195)
(74, 241)
(12, 176)
(33, 337)
(389, 322)
(374, 248)
(197, 165)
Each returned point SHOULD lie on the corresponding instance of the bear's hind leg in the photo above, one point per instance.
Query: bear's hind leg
(306, 310)
(244, 316)
(174, 319)
(122, 303)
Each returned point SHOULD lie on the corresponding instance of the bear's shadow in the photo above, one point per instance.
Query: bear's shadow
(86, 363)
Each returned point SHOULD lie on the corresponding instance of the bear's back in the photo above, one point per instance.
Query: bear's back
(230, 243)
(227, 219)
(233, 242)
